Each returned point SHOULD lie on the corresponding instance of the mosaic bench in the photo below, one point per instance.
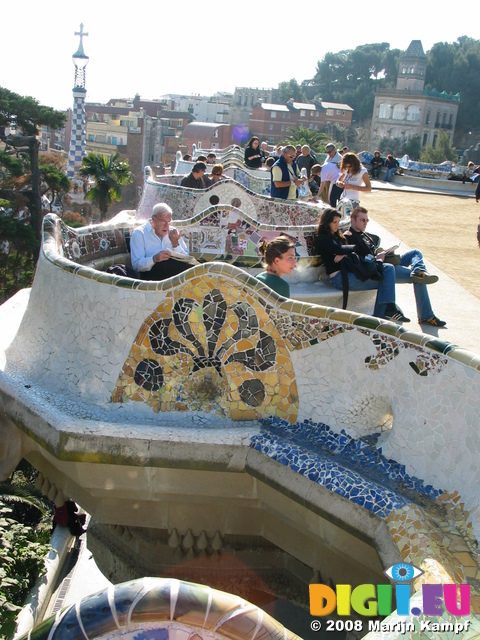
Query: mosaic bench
(187, 203)
(223, 234)
(256, 181)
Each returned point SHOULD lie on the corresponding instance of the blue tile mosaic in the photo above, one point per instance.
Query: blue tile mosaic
(354, 469)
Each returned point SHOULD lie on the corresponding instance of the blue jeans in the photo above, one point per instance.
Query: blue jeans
(411, 262)
(389, 173)
(386, 287)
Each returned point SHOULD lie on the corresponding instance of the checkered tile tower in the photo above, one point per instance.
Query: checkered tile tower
(79, 135)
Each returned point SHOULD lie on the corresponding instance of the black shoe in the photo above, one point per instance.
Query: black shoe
(433, 321)
(392, 312)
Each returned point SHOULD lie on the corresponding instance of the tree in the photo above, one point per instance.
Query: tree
(413, 147)
(25, 116)
(109, 173)
(301, 136)
(291, 89)
(55, 179)
(442, 152)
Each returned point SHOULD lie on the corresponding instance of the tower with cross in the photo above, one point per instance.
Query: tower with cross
(79, 125)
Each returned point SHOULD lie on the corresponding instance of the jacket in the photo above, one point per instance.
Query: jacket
(275, 192)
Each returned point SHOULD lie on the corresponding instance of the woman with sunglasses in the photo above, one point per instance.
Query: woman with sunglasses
(353, 178)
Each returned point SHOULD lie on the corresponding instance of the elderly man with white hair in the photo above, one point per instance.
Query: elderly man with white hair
(151, 246)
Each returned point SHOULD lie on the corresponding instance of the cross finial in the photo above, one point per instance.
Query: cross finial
(80, 53)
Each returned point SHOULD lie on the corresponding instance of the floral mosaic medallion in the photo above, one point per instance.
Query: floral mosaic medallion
(210, 346)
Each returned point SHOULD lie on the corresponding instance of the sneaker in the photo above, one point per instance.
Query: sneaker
(392, 312)
(423, 277)
(433, 321)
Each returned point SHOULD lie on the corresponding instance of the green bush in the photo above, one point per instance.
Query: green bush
(22, 552)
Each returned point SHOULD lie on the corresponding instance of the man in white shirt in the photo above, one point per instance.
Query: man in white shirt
(151, 246)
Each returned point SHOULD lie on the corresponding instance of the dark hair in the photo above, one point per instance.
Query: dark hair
(187, 156)
(201, 158)
(326, 218)
(275, 248)
(199, 166)
(270, 161)
(376, 151)
(252, 139)
(353, 159)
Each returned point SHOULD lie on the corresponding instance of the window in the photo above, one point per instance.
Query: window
(270, 128)
(384, 110)
(302, 113)
(329, 112)
(425, 139)
(398, 112)
(413, 113)
(273, 114)
(338, 112)
(282, 128)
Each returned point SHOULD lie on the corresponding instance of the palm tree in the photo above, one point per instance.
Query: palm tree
(109, 174)
(302, 135)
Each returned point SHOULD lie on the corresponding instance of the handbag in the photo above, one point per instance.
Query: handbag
(363, 268)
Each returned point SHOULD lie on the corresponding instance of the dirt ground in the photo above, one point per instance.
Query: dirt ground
(444, 228)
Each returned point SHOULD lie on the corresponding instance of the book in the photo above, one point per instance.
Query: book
(181, 256)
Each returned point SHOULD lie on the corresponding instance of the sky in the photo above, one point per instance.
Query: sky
(193, 47)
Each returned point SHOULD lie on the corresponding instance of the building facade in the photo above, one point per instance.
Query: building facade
(411, 110)
(271, 122)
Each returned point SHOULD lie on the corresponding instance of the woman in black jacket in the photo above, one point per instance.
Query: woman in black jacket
(253, 157)
(331, 245)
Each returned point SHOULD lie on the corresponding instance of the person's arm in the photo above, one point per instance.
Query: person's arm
(140, 262)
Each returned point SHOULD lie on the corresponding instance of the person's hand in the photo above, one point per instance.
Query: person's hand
(161, 256)
(341, 184)
(174, 236)
(381, 256)
(339, 257)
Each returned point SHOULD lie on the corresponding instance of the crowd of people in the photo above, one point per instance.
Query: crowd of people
(353, 260)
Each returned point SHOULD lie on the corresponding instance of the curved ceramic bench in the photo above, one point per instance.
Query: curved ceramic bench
(116, 389)
(224, 234)
(186, 202)
(161, 608)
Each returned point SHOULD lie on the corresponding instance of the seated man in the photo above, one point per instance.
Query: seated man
(376, 163)
(411, 268)
(194, 180)
(151, 245)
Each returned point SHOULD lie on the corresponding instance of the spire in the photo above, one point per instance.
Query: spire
(78, 135)
(80, 60)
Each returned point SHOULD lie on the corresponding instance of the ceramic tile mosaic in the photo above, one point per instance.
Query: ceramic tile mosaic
(187, 203)
(208, 349)
(181, 360)
(162, 609)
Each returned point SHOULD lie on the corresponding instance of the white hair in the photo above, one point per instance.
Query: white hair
(161, 209)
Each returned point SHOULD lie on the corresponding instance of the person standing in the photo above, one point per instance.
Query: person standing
(353, 178)
(285, 177)
(253, 157)
(306, 160)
